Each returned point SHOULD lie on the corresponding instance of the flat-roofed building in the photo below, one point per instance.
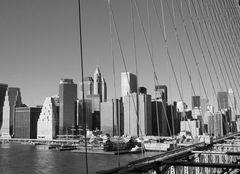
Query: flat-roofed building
(25, 124)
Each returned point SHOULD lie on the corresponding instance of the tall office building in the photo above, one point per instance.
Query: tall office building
(79, 115)
(159, 118)
(128, 83)
(161, 92)
(67, 98)
(5, 130)
(196, 102)
(181, 106)
(25, 123)
(88, 87)
(222, 100)
(3, 89)
(99, 85)
(145, 113)
(232, 104)
(196, 112)
(137, 123)
(204, 104)
(15, 101)
(104, 90)
(112, 117)
(174, 118)
(48, 121)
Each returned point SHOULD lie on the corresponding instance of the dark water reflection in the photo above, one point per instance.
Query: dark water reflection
(28, 159)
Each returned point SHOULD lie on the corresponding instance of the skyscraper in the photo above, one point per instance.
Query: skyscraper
(128, 83)
(5, 130)
(159, 118)
(67, 97)
(161, 92)
(3, 89)
(137, 124)
(99, 85)
(112, 117)
(88, 87)
(232, 104)
(26, 119)
(196, 102)
(15, 101)
(222, 100)
(48, 122)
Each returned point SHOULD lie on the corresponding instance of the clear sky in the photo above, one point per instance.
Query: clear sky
(39, 45)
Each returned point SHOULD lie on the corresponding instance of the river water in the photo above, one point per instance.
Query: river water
(30, 159)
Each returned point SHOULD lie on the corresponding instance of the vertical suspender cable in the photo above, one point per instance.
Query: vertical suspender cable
(151, 58)
(166, 45)
(231, 39)
(136, 63)
(123, 58)
(213, 45)
(83, 99)
(115, 103)
(199, 43)
(192, 50)
(218, 29)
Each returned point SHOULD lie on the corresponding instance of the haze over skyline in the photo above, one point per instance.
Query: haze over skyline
(39, 45)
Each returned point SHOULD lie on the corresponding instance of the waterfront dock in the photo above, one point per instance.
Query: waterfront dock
(38, 141)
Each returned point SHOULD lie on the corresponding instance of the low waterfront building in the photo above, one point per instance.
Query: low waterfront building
(25, 124)
(192, 126)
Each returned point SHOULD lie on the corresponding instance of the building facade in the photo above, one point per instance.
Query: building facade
(112, 117)
(128, 83)
(67, 98)
(222, 100)
(196, 102)
(48, 122)
(80, 120)
(3, 89)
(232, 104)
(160, 122)
(99, 85)
(25, 123)
(137, 114)
(161, 92)
(5, 130)
(88, 87)
(15, 101)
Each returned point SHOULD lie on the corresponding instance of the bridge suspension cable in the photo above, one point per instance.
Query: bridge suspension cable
(151, 58)
(223, 41)
(123, 57)
(163, 32)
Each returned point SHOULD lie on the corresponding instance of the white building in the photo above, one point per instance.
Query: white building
(137, 124)
(191, 126)
(128, 83)
(47, 122)
(5, 130)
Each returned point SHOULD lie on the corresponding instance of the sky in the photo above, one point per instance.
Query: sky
(39, 45)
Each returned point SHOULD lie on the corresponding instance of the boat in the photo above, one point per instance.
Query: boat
(137, 149)
(158, 146)
(66, 147)
(54, 146)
